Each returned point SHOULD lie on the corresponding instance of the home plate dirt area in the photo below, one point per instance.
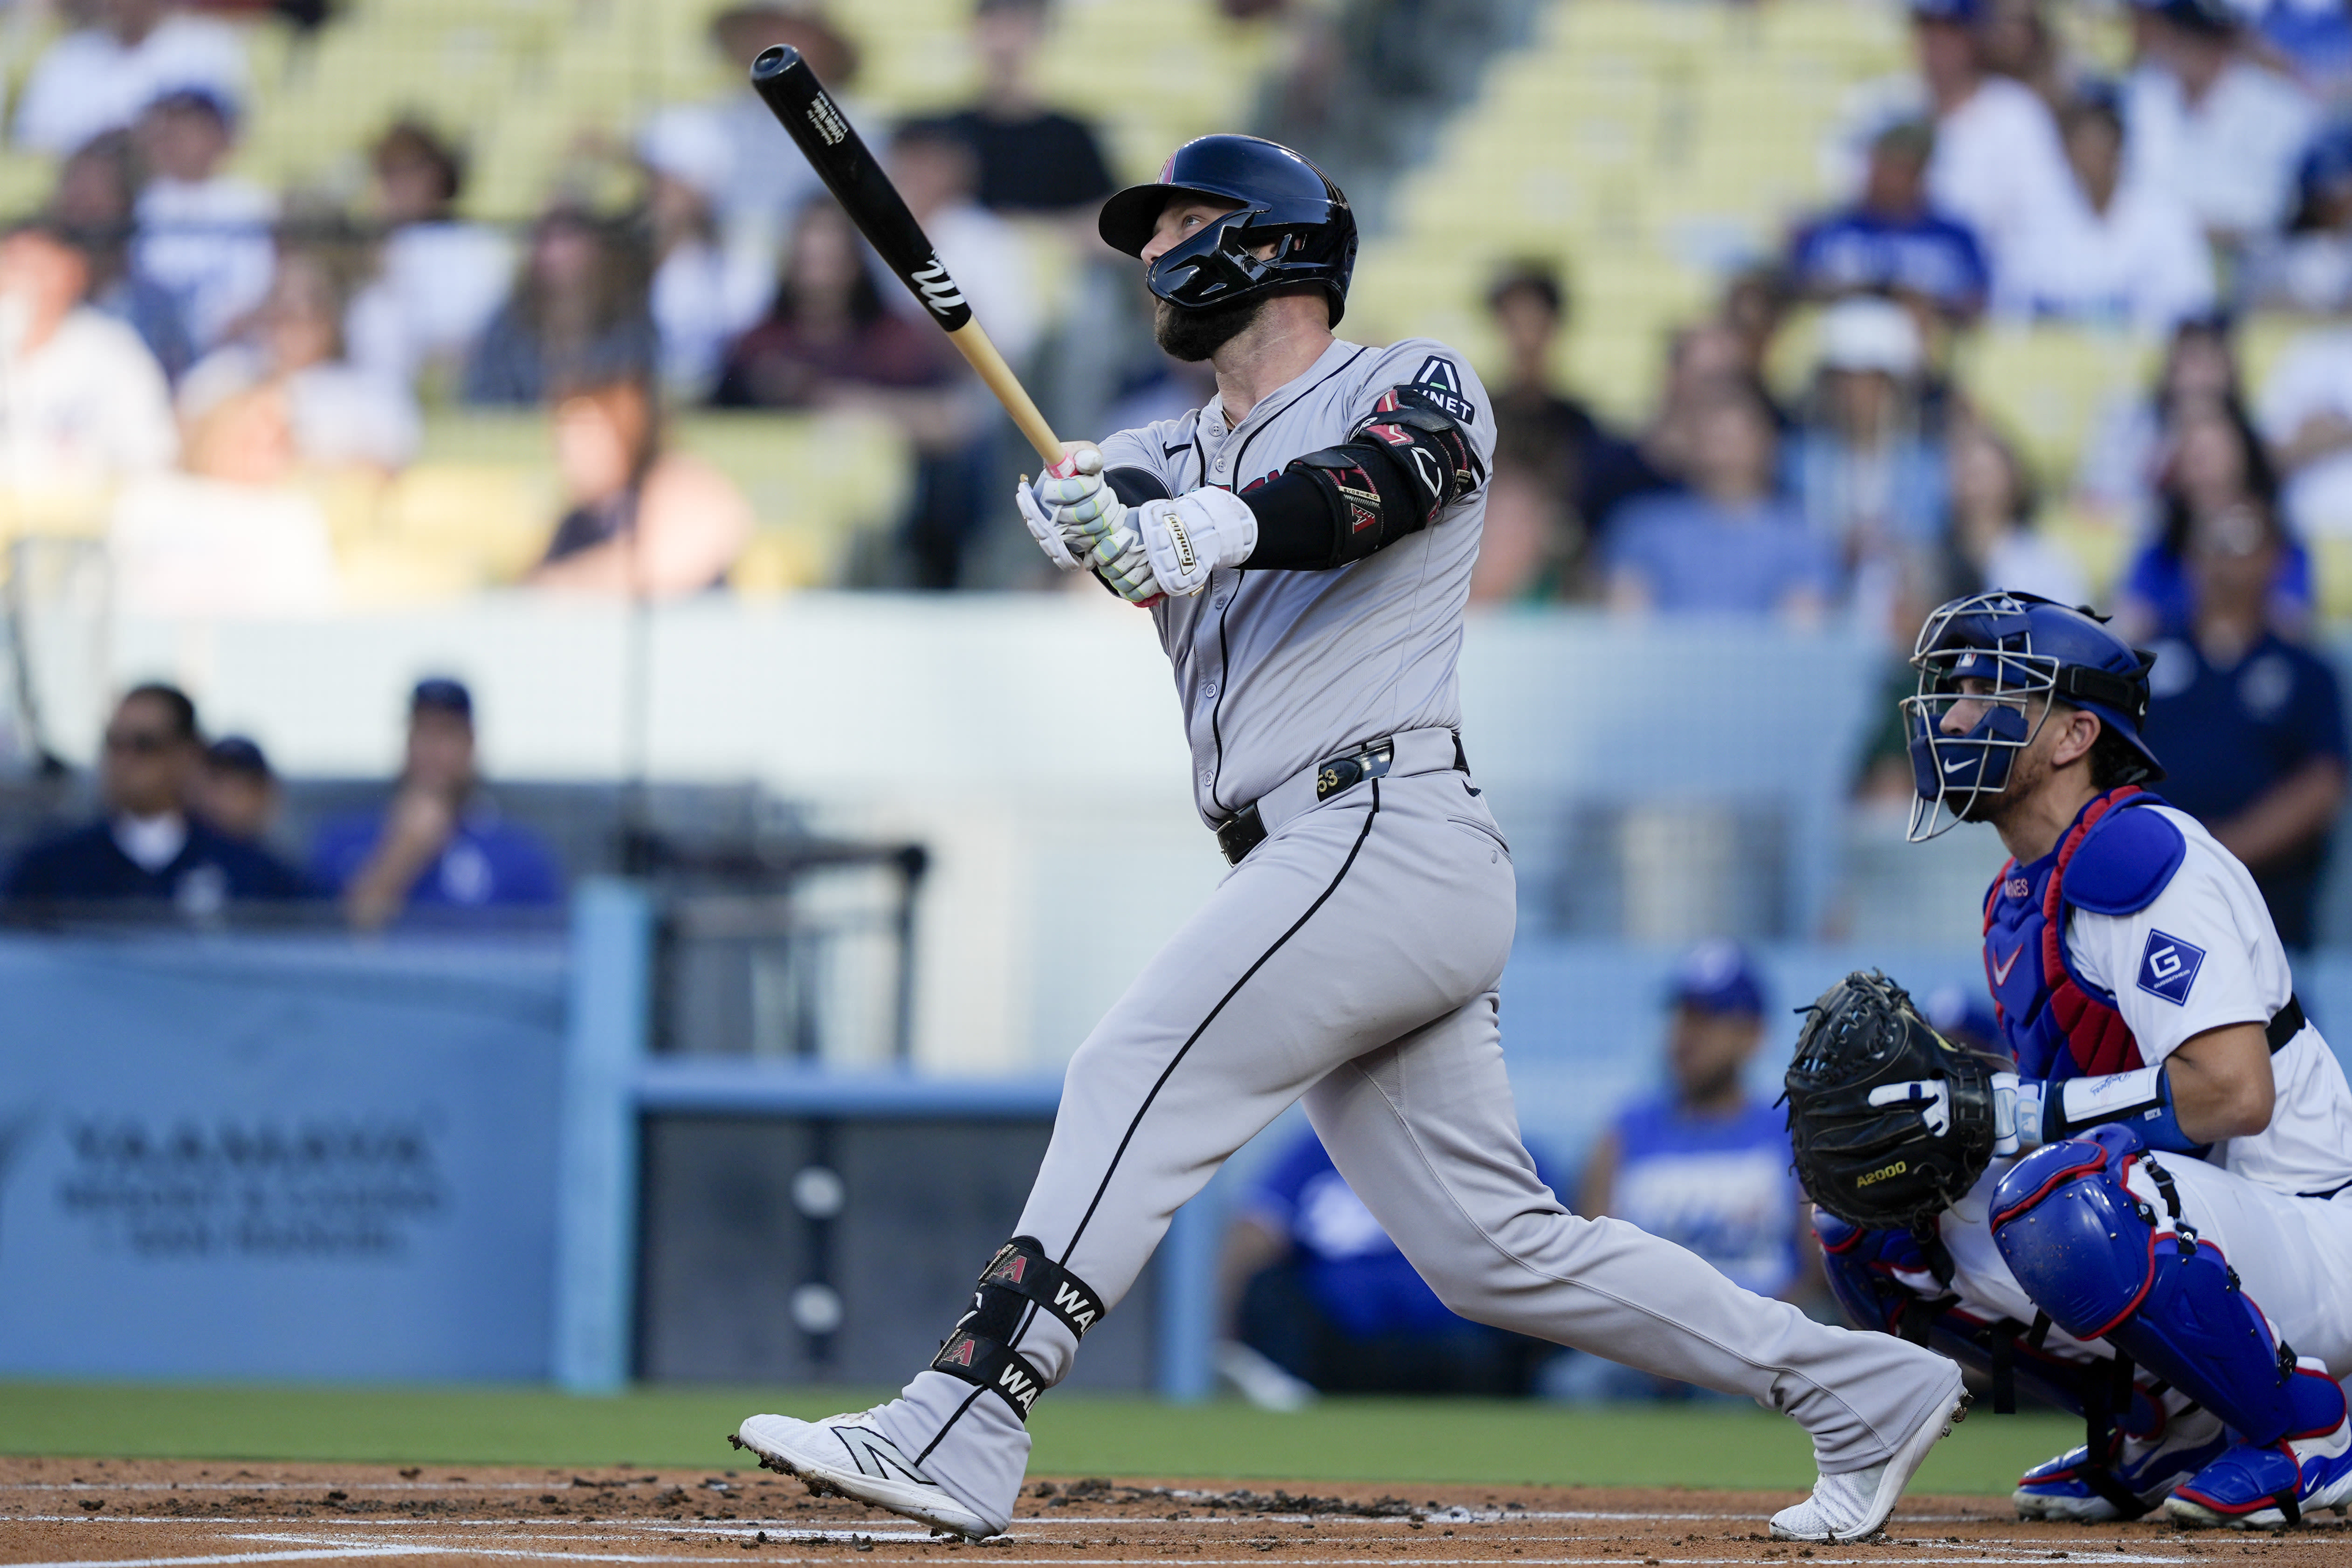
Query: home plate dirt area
(192, 1511)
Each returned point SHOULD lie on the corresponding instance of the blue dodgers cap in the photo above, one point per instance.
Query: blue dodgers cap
(237, 754)
(1717, 976)
(442, 694)
(1959, 13)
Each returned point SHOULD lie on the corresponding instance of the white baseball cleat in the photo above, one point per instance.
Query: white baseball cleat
(846, 1455)
(1853, 1504)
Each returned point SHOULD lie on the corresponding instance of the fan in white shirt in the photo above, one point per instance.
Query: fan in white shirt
(1997, 164)
(2207, 124)
(203, 235)
(82, 403)
(2118, 251)
(439, 280)
(100, 78)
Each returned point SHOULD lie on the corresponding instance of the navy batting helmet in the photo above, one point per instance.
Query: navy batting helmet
(2025, 649)
(1285, 202)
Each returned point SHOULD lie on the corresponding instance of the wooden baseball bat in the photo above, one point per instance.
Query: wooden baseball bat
(800, 103)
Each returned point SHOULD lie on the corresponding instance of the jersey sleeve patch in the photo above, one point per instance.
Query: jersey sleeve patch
(2169, 966)
(2126, 862)
(1438, 382)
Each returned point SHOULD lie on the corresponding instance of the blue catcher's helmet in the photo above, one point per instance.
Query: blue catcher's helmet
(1285, 201)
(2028, 650)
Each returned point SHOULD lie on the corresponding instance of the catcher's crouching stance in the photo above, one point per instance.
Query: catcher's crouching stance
(2150, 1218)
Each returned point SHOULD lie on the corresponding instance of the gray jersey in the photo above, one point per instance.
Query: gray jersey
(1277, 670)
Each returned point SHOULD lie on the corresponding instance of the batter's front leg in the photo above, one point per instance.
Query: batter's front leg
(1425, 1131)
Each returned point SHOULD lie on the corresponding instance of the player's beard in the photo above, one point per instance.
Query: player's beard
(1192, 334)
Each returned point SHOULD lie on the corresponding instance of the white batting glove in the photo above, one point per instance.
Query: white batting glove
(1069, 509)
(1191, 536)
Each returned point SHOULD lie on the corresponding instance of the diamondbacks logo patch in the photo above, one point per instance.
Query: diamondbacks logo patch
(1439, 385)
(2168, 967)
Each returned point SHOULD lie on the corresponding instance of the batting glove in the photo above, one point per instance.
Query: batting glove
(1069, 509)
(1191, 536)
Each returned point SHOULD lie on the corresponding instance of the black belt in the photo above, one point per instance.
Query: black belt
(1244, 830)
(2285, 1024)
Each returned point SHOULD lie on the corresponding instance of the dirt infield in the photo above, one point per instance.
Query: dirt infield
(191, 1512)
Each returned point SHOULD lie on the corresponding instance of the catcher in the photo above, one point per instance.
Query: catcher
(2149, 1216)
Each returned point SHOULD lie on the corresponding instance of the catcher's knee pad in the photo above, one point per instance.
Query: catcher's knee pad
(1018, 1282)
(2094, 1256)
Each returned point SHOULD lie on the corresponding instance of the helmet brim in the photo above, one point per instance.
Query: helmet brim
(1129, 216)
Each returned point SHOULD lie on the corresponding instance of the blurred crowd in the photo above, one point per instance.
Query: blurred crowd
(188, 827)
(193, 339)
(1815, 452)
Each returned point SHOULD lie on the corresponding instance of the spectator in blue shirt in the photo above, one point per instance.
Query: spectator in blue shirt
(1892, 241)
(1704, 1164)
(440, 843)
(2251, 726)
(1729, 544)
(147, 848)
(1314, 1284)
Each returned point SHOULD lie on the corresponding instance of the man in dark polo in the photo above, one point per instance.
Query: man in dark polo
(147, 848)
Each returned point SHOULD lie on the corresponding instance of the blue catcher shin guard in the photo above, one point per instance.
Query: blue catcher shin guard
(2088, 1252)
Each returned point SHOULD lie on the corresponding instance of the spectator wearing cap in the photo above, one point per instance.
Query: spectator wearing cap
(933, 163)
(1704, 1164)
(236, 792)
(2125, 253)
(147, 848)
(203, 235)
(1315, 1294)
(2208, 124)
(1892, 240)
(441, 844)
(1998, 165)
(1032, 159)
(437, 279)
(82, 403)
(1864, 466)
(100, 78)
(2248, 723)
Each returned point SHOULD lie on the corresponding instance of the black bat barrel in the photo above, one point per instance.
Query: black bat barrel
(800, 103)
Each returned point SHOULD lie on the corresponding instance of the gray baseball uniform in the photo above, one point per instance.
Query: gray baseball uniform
(1353, 958)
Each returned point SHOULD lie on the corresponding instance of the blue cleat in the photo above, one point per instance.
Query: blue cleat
(2149, 1468)
(2274, 1488)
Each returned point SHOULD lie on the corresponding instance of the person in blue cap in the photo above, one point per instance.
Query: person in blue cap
(1703, 1163)
(440, 843)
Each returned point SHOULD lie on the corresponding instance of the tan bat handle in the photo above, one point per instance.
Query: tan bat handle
(999, 376)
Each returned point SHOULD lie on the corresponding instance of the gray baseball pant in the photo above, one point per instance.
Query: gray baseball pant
(1353, 958)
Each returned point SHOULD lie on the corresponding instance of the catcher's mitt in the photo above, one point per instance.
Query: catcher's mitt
(1891, 1121)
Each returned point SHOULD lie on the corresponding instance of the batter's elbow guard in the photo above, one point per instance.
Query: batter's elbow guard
(1394, 477)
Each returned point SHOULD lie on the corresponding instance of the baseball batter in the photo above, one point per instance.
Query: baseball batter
(1304, 544)
(2155, 1222)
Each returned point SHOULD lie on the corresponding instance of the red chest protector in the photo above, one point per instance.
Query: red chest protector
(2056, 1026)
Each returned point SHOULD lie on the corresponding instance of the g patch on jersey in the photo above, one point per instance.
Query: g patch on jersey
(2168, 967)
(1441, 384)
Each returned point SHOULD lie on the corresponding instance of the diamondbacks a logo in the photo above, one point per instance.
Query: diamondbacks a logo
(828, 121)
(1439, 385)
(938, 290)
(957, 1352)
(1008, 1266)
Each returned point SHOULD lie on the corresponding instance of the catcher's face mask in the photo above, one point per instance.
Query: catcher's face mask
(1983, 695)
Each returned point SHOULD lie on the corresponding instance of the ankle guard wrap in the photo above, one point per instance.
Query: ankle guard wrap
(980, 1350)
